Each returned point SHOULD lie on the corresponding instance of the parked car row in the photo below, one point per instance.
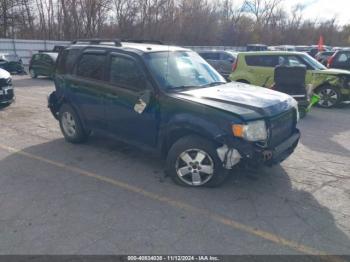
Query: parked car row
(11, 63)
(258, 68)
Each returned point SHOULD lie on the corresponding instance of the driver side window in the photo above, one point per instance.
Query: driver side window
(124, 72)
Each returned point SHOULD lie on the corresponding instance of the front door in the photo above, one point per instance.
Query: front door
(129, 99)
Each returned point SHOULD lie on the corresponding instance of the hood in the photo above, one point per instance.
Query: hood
(246, 101)
(4, 74)
(332, 71)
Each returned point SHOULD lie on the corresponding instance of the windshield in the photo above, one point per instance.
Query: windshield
(313, 63)
(182, 69)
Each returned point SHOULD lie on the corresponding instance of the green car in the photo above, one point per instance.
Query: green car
(257, 68)
(43, 64)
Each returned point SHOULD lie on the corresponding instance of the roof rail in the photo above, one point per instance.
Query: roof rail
(143, 41)
(97, 41)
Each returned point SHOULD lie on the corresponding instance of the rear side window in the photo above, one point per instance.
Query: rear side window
(91, 66)
(262, 60)
(125, 72)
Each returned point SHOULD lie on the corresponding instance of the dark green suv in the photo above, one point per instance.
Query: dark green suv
(169, 100)
(43, 64)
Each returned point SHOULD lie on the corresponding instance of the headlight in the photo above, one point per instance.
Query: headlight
(252, 131)
(294, 103)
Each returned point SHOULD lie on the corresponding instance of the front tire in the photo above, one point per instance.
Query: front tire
(71, 125)
(193, 161)
(330, 96)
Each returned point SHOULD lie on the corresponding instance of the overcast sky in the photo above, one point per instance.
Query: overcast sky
(321, 9)
(324, 9)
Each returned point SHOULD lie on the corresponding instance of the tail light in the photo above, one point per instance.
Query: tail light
(234, 65)
(330, 61)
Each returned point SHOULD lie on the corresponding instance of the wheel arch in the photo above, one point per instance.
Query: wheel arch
(55, 103)
(176, 130)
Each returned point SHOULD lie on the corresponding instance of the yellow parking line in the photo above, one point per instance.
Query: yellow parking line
(183, 206)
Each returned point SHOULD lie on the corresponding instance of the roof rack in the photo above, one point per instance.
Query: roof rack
(97, 41)
(143, 41)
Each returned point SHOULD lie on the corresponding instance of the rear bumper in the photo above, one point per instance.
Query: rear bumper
(53, 104)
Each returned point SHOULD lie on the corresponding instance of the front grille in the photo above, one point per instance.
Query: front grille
(9, 96)
(5, 82)
(281, 127)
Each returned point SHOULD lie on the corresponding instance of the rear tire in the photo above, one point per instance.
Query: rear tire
(193, 161)
(71, 125)
(330, 96)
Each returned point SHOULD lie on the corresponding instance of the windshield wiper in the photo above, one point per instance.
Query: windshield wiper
(214, 84)
(184, 87)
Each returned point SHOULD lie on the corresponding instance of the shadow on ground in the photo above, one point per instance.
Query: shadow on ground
(324, 140)
(27, 82)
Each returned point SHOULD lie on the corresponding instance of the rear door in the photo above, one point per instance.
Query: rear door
(262, 67)
(130, 101)
(85, 86)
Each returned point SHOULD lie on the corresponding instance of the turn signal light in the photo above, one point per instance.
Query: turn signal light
(238, 130)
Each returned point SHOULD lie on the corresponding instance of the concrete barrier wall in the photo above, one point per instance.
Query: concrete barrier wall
(26, 48)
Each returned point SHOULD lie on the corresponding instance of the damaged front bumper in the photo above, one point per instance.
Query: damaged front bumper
(251, 155)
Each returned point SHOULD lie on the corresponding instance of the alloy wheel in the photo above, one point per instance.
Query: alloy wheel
(68, 124)
(328, 97)
(194, 167)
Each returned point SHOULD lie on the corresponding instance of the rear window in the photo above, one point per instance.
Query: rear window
(262, 60)
(91, 66)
